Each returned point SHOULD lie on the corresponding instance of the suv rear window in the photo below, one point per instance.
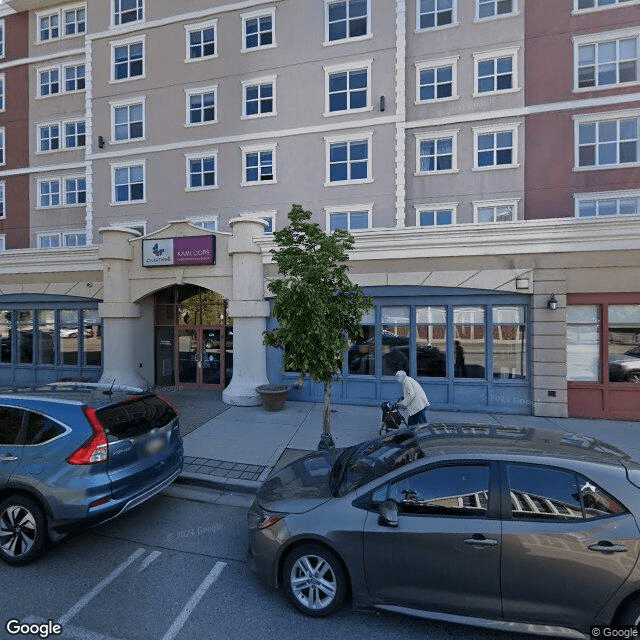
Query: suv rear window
(134, 417)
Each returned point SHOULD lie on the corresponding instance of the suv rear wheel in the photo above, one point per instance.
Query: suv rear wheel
(23, 530)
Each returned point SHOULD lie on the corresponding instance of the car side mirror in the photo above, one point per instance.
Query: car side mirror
(388, 514)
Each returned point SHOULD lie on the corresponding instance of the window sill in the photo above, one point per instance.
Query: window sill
(127, 141)
(618, 85)
(128, 202)
(200, 59)
(346, 112)
(419, 103)
(331, 43)
(260, 48)
(207, 188)
(436, 173)
(626, 165)
(129, 79)
(485, 94)
(258, 183)
(189, 125)
(445, 27)
(258, 116)
(347, 182)
(497, 167)
(502, 16)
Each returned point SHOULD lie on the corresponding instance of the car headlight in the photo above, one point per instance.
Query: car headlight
(268, 519)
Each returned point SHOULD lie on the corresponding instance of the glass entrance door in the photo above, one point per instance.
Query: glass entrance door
(201, 357)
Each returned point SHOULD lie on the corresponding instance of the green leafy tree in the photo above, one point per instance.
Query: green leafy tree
(316, 304)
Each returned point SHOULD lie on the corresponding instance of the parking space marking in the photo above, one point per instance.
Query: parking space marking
(179, 622)
(149, 559)
(72, 632)
(78, 606)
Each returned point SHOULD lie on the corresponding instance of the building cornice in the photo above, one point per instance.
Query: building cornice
(76, 259)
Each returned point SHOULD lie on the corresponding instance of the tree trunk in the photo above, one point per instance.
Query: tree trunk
(326, 408)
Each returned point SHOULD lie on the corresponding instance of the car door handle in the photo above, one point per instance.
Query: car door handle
(605, 546)
(7, 457)
(481, 541)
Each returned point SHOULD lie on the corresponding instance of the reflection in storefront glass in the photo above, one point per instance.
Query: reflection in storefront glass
(25, 337)
(431, 341)
(68, 334)
(46, 332)
(92, 334)
(5, 336)
(509, 342)
(362, 351)
(395, 340)
(469, 342)
(583, 343)
(624, 343)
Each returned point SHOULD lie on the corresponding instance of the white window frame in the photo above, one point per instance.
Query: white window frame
(346, 68)
(438, 206)
(126, 43)
(3, 200)
(63, 76)
(132, 102)
(438, 135)
(598, 40)
(3, 147)
(327, 42)
(201, 91)
(606, 195)
(2, 38)
(201, 26)
(495, 16)
(128, 165)
(3, 242)
(73, 232)
(202, 221)
(47, 69)
(3, 101)
(64, 186)
(438, 64)
(261, 81)
(135, 225)
(349, 209)
(258, 148)
(49, 125)
(496, 204)
(339, 139)
(43, 15)
(118, 23)
(63, 23)
(483, 56)
(201, 155)
(41, 236)
(598, 118)
(256, 15)
(495, 129)
(449, 25)
(618, 4)
(63, 133)
(42, 181)
(61, 14)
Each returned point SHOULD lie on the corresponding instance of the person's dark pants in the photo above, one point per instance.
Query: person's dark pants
(422, 417)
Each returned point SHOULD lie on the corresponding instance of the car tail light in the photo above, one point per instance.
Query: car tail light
(96, 449)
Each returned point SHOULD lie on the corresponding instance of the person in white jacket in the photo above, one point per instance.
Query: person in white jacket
(415, 399)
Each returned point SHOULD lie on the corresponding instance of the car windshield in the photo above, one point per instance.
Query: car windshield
(374, 458)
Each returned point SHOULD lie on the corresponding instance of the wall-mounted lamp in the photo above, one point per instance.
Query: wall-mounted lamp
(552, 302)
(100, 142)
(382, 103)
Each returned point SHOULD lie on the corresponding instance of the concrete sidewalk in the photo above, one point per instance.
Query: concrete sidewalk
(237, 447)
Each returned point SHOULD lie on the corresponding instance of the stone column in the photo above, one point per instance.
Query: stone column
(119, 315)
(249, 311)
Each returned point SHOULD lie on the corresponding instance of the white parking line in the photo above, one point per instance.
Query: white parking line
(149, 559)
(77, 607)
(178, 623)
(72, 632)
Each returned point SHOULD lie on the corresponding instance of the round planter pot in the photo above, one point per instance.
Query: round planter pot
(273, 395)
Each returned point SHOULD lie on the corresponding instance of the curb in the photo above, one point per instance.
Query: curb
(218, 483)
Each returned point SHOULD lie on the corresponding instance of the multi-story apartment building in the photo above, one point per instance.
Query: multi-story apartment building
(484, 153)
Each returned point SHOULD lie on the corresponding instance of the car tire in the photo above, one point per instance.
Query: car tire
(315, 580)
(630, 612)
(23, 530)
(633, 376)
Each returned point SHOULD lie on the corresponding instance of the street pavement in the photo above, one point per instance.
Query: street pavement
(232, 449)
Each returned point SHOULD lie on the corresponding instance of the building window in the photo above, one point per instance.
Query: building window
(258, 165)
(583, 343)
(128, 60)
(586, 5)
(201, 105)
(75, 21)
(127, 11)
(49, 193)
(609, 142)
(3, 243)
(347, 89)
(436, 153)
(347, 19)
(436, 13)
(209, 222)
(495, 72)
(202, 40)
(494, 8)
(495, 148)
(509, 342)
(348, 161)
(2, 52)
(74, 134)
(259, 97)
(202, 172)
(258, 30)
(49, 241)
(436, 215)
(606, 62)
(75, 191)
(2, 105)
(349, 218)
(127, 121)
(496, 211)
(49, 81)
(74, 78)
(49, 26)
(437, 80)
(74, 239)
(595, 205)
(3, 158)
(3, 204)
(469, 342)
(128, 183)
(49, 137)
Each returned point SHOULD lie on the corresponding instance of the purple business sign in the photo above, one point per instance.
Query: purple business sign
(195, 250)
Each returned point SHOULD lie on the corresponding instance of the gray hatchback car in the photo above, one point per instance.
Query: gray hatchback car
(73, 456)
(504, 527)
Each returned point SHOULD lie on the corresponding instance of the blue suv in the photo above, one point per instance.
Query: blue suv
(73, 456)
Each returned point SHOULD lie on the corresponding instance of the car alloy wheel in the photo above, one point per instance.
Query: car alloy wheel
(315, 580)
(634, 376)
(22, 530)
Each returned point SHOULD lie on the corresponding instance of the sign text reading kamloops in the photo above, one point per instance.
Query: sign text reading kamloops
(168, 252)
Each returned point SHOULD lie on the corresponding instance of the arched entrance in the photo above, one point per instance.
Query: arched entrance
(193, 338)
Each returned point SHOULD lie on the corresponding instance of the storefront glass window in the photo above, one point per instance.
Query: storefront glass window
(583, 343)
(25, 337)
(92, 329)
(469, 342)
(624, 343)
(68, 333)
(362, 351)
(5, 336)
(509, 342)
(395, 340)
(431, 341)
(46, 332)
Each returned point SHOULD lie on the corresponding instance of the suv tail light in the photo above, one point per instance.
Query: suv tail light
(96, 449)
